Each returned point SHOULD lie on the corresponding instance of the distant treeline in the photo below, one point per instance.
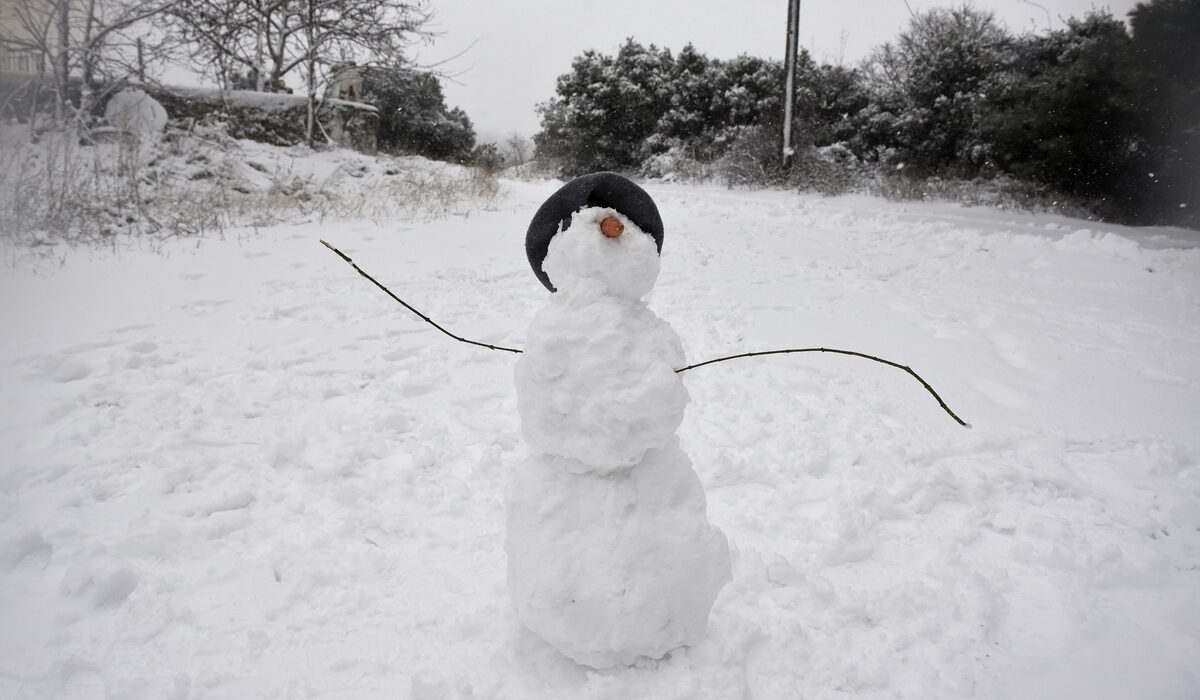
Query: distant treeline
(1101, 113)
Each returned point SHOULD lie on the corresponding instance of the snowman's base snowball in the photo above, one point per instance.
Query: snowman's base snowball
(611, 567)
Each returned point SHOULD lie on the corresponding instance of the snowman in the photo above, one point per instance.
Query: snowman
(611, 557)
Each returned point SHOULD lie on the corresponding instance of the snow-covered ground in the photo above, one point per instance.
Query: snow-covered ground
(236, 469)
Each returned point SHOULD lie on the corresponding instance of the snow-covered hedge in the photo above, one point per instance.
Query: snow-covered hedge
(273, 118)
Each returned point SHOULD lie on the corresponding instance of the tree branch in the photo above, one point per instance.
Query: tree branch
(889, 363)
(406, 305)
(852, 353)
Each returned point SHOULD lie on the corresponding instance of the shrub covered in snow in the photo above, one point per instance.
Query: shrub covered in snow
(413, 116)
(273, 118)
(1099, 112)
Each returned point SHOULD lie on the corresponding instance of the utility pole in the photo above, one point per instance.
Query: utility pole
(789, 83)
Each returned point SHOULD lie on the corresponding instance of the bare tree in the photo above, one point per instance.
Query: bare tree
(519, 148)
(220, 35)
(92, 37)
(105, 43)
(273, 38)
(33, 28)
(338, 31)
(260, 36)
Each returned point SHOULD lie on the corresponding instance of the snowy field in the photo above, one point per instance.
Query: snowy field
(238, 470)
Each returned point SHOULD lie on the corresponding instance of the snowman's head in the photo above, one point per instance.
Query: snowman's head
(602, 252)
(585, 203)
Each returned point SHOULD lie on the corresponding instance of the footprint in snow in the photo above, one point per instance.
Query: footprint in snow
(106, 583)
(136, 327)
(279, 313)
(63, 369)
(204, 307)
(30, 546)
(83, 683)
(1011, 349)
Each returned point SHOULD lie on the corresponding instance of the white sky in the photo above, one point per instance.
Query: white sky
(523, 45)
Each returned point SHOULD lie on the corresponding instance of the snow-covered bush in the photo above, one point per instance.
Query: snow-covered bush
(828, 170)
(1000, 192)
(615, 112)
(413, 116)
(58, 190)
(677, 164)
(751, 158)
(930, 80)
(273, 118)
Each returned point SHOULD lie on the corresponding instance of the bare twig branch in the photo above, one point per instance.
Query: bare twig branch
(839, 352)
(681, 370)
(406, 305)
(452, 77)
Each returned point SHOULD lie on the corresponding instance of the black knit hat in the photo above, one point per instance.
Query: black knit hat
(596, 190)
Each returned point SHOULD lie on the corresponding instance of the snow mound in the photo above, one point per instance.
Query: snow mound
(608, 568)
(1085, 240)
(202, 181)
(134, 112)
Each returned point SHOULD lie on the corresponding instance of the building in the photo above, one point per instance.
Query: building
(20, 62)
(22, 50)
(346, 83)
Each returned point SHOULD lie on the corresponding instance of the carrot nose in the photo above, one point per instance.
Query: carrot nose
(611, 227)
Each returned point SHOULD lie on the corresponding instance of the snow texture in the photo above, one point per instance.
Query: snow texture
(610, 553)
(238, 470)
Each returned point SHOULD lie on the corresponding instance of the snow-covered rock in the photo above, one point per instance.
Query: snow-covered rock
(134, 112)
